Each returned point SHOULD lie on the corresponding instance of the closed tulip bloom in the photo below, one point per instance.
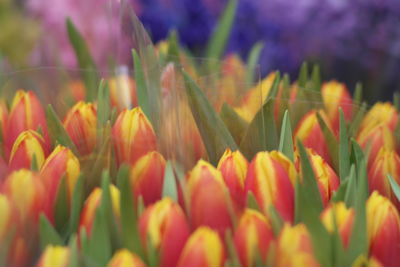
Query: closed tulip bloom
(269, 178)
(341, 216)
(379, 114)
(294, 247)
(253, 235)
(335, 95)
(310, 134)
(5, 216)
(209, 198)
(80, 124)
(28, 146)
(147, 177)
(363, 261)
(25, 191)
(26, 113)
(233, 167)
(133, 136)
(60, 163)
(383, 226)
(386, 162)
(204, 248)
(125, 258)
(92, 203)
(164, 224)
(122, 91)
(54, 256)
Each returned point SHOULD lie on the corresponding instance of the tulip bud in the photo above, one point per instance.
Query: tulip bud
(92, 203)
(327, 180)
(233, 167)
(270, 182)
(26, 192)
(378, 137)
(341, 216)
(363, 261)
(294, 247)
(310, 134)
(383, 226)
(122, 90)
(204, 248)
(27, 146)
(80, 124)
(335, 95)
(125, 258)
(209, 198)
(147, 177)
(60, 163)
(165, 224)
(26, 113)
(253, 235)
(380, 114)
(5, 216)
(133, 136)
(54, 256)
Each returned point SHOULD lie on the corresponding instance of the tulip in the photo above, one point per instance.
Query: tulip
(383, 227)
(60, 163)
(26, 113)
(271, 183)
(165, 224)
(5, 216)
(204, 248)
(125, 258)
(335, 95)
(147, 177)
(93, 202)
(233, 167)
(363, 261)
(19, 253)
(309, 132)
(327, 180)
(54, 256)
(380, 114)
(26, 192)
(209, 199)
(294, 247)
(133, 136)
(341, 216)
(378, 137)
(80, 124)
(28, 146)
(253, 234)
(122, 91)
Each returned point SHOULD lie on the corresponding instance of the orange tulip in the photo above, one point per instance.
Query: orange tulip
(27, 146)
(133, 136)
(341, 216)
(209, 198)
(379, 114)
(204, 248)
(233, 167)
(383, 226)
(54, 256)
(26, 113)
(80, 124)
(253, 235)
(165, 224)
(270, 178)
(125, 258)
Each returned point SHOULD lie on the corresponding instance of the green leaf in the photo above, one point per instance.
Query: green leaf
(252, 202)
(394, 185)
(284, 98)
(275, 86)
(57, 131)
(357, 119)
(152, 253)
(34, 163)
(286, 140)
(357, 96)
(232, 253)
(344, 154)
(303, 75)
(129, 227)
(331, 142)
(340, 193)
(219, 38)
(261, 134)
(61, 207)
(141, 86)
(351, 192)
(316, 78)
(235, 124)
(173, 47)
(276, 220)
(76, 206)
(252, 61)
(103, 109)
(85, 60)
(74, 253)
(169, 187)
(48, 235)
(215, 135)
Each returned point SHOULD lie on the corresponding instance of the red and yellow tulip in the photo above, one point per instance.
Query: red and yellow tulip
(54, 256)
(125, 258)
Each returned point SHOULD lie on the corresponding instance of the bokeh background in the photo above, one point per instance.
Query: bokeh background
(356, 40)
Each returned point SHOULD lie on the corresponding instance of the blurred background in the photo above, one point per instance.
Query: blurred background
(356, 40)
